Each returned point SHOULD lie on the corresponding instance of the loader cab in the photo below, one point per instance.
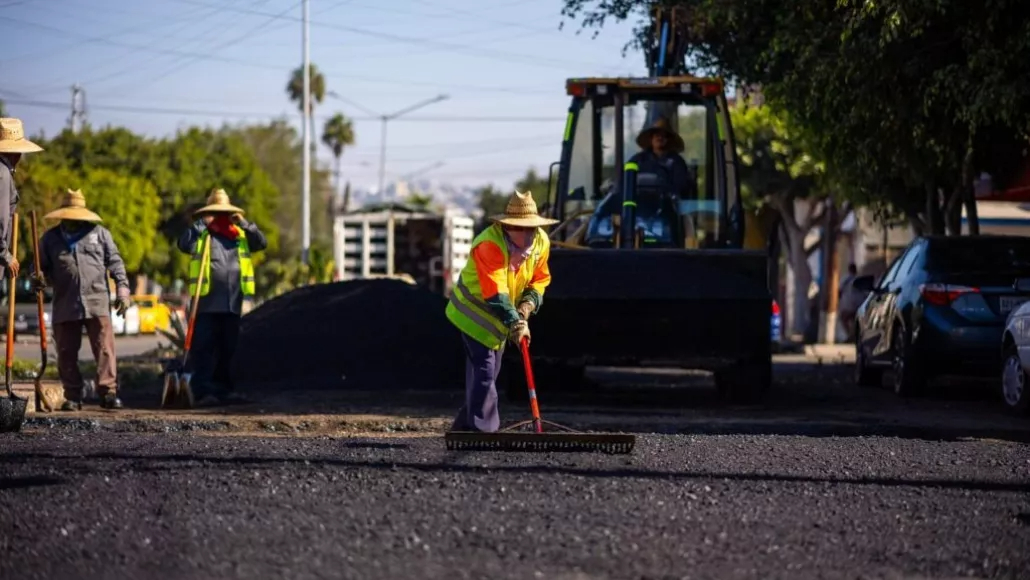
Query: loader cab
(613, 201)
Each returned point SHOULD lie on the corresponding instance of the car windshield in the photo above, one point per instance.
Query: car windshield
(145, 303)
(970, 254)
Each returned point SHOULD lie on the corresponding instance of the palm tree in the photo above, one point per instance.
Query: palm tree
(337, 134)
(295, 89)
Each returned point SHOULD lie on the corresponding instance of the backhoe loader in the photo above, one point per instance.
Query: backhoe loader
(649, 270)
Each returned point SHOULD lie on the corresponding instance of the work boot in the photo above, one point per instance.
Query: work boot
(70, 405)
(111, 401)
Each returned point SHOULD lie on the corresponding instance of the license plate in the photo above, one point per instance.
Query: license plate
(1009, 303)
(21, 325)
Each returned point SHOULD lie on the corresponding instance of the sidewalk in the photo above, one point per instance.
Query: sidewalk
(831, 353)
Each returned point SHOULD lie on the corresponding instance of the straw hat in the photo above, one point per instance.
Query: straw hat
(73, 207)
(521, 212)
(661, 125)
(218, 202)
(12, 137)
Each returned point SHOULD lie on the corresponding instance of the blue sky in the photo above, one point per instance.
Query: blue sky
(209, 61)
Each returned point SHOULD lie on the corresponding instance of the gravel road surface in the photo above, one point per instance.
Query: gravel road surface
(123, 505)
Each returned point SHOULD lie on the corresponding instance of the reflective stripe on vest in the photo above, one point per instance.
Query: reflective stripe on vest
(247, 285)
(466, 308)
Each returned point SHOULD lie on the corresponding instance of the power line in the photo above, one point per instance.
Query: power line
(461, 48)
(246, 115)
(267, 66)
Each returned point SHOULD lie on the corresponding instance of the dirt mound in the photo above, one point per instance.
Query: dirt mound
(381, 334)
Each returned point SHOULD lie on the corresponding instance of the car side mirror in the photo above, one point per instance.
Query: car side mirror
(864, 284)
(1022, 284)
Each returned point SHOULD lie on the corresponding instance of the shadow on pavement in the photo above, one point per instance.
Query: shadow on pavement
(30, 481)
(139, 464)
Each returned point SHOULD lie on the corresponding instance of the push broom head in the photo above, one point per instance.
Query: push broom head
(12, 413)
(614, 443)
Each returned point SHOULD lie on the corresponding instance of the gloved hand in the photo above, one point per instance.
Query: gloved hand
(237, 218)
(37, 281)
(121, 305)
(525, 309)
(518, 329)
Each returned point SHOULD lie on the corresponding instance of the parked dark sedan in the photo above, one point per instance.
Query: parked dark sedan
(940, 309)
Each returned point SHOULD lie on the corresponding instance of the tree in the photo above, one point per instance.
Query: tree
(777, 171)
(337, 134)
(3, 111)
(901, 98)
(420, 201)
(491, 202)
(295, 89)
(537, 185)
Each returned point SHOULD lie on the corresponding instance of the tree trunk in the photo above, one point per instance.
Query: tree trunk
(969, 195)
(797, 257)
(934, 217)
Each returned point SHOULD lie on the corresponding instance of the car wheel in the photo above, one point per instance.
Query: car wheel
(909, 379)
(1014, 391)
(864, 375)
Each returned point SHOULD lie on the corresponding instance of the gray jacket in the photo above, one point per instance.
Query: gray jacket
(78, 272)
(8, 205)
(225, 294)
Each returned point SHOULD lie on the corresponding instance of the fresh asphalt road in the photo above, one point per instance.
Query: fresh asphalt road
(188, 506)
(27, 347)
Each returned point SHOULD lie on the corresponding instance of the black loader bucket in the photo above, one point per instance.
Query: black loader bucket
(697, 309)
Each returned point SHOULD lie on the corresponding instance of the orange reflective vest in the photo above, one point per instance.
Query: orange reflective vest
(487, 276)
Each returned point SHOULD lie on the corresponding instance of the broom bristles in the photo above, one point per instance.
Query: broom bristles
(541, 442)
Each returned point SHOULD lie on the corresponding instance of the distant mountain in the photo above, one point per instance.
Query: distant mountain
(457, 196)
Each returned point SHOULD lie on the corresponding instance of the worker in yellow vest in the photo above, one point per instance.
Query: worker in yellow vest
(228, 277)
(502, 283)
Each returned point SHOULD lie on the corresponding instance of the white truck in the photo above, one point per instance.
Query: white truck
(403, 242)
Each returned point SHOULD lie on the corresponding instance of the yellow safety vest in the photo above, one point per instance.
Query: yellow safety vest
(246, 266)
(466, 308)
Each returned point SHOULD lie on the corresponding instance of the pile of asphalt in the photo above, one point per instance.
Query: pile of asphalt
(361, 334)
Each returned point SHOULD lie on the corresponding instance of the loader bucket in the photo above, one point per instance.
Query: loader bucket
(700, 309)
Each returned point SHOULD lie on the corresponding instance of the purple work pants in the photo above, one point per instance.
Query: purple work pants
(482, 365)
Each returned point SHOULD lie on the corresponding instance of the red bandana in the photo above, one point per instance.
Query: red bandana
(224, 227)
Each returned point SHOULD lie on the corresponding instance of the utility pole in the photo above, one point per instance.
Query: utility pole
(306, 117)
(78, 116)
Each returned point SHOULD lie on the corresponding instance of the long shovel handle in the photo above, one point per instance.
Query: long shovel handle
(534, 408)
(40, 308)
(11, 289)
(196, 299)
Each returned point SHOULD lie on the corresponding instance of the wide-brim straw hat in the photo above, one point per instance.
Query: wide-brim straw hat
(661, 125)
(73, 207)
(218, 202)
(12, 137)
(521, 212)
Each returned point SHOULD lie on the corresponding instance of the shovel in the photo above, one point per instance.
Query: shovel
(44, 400)
(177, 380)
(12, 407)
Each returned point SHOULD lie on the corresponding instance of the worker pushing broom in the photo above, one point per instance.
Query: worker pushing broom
(501, 285)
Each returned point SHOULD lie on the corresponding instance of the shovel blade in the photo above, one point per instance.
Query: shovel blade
(12, 414)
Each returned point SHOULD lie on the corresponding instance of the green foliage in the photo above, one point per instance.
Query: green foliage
(772, 161)
(898, 98)
(338, 134)
(537, 184)
(295, 86)
(147, 189)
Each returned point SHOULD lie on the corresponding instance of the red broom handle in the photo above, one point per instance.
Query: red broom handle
(533, 407)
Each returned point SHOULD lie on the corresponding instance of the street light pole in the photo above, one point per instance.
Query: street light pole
(305, 121)
(382, 144)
